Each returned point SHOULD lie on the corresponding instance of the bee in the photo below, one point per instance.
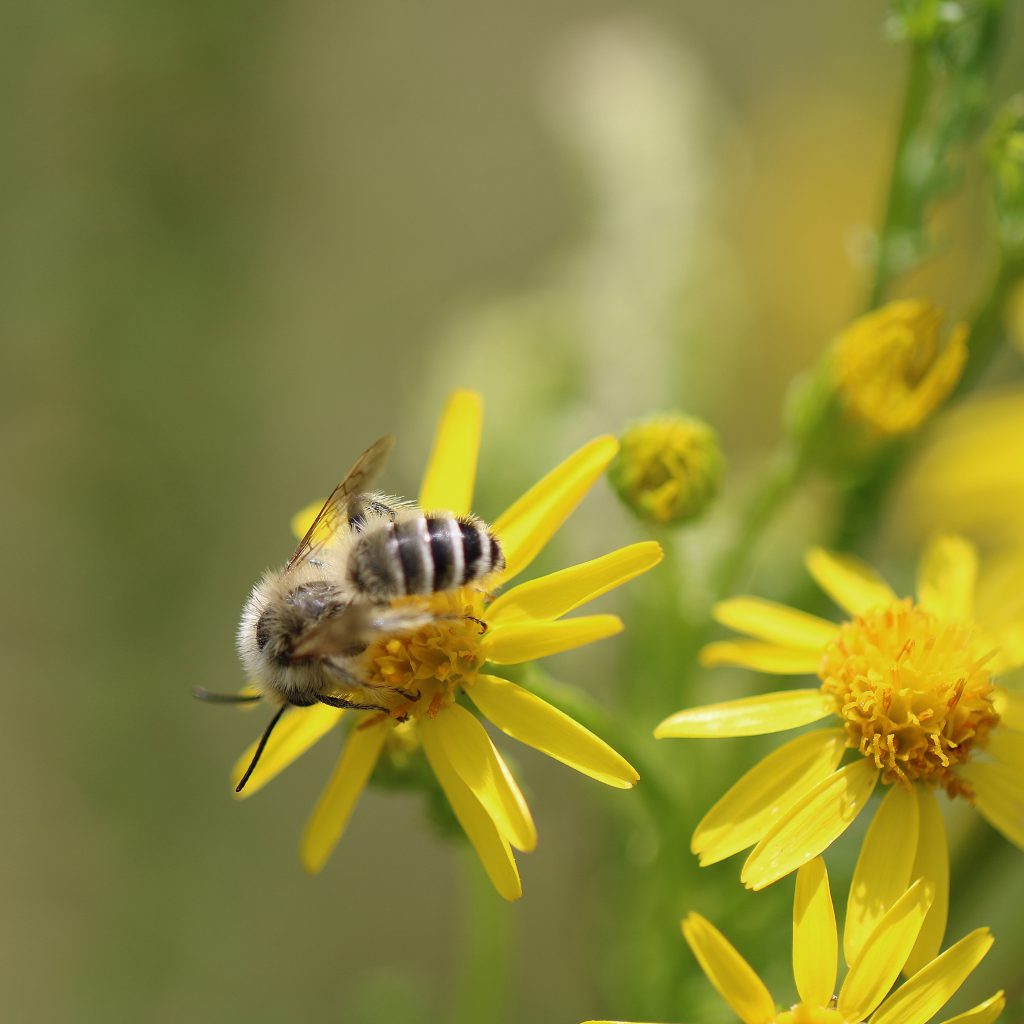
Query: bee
(304, 627)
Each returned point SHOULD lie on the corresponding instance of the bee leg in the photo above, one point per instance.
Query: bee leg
(480, 622)
(343, 702)
(201, 693)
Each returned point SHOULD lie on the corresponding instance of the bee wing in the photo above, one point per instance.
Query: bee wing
(332, 516)
(349, 631)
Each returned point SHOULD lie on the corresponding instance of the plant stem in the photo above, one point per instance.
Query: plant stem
(898, 219)
(483, 981)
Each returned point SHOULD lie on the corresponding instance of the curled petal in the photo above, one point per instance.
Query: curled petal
(999, 796)
(983, 1013)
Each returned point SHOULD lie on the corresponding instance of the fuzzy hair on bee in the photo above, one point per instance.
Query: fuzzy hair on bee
(304, 627)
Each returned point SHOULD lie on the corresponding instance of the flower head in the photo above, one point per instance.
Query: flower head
(890, 371)
(668, 468)
(443, 662)
(909, 687)
(864, 996)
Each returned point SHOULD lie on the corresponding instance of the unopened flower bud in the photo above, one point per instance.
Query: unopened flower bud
(891, 372)
(668, 468)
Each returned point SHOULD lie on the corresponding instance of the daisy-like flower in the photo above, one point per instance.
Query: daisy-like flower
(864, 995)
(909, 688)
(447, 658)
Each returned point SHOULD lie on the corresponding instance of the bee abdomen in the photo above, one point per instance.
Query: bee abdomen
(424, 555)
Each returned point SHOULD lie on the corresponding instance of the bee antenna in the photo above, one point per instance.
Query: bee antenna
(201, 693)
(259, 747)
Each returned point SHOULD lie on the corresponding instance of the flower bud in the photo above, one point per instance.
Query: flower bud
(890, 371)
(668, 468)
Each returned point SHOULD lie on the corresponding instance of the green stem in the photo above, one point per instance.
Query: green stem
(483, 982)
(899, 217)
(782, 476)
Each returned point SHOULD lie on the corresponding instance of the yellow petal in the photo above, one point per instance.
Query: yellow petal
(851, 583)
(524, 641)
(491, 847)
(930, 989)
(533, 721)
(470, 752)
(551, 597)
(334, 808)
(785, 661)
(815, 941)
(734, 979)
(1007, 747)
(946, 577)
(1010, 705)
(297, 731)
(776, 623)
(750, 716)
(526, 526)
(766, 793)
(882, 874)
(999, 796)
(812, 825)
(303, 519)
(983, 1013)
(931, 864)
(451, 468)
(884, 954)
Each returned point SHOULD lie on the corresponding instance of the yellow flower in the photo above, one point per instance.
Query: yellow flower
(447, 658)
(969, 476)
(668, 469)
(890, 372)
(864, 997)
(909, 687)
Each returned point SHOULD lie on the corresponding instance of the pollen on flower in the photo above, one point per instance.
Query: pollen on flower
(912, 694)
(422, 672)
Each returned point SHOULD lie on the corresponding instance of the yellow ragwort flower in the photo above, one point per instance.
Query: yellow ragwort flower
(890, 371)
(447, 658)
(909, 687)
(668, 469)
(864, 996)
(969, 475)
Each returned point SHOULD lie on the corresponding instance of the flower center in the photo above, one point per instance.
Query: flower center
(420, 673)
(803, 1014)
(912, 695)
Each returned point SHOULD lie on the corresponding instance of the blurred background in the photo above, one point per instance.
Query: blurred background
(242, 240)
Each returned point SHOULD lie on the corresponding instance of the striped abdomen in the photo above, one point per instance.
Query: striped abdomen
(423, 555)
